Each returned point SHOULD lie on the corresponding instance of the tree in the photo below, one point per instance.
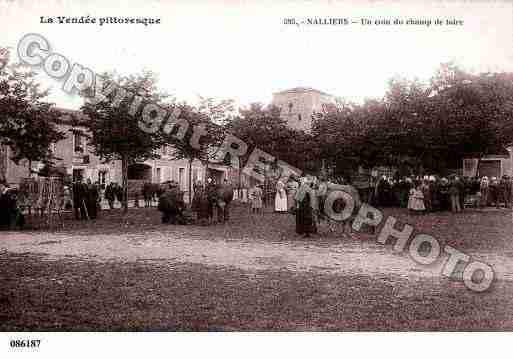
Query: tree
(200, 137)
(219, 112)
(27, 123)
(263, 128)
(421, 126)
(474, 112)
(350, 135)
(114, 130)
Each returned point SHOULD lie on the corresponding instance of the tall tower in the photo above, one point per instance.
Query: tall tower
(299, 104)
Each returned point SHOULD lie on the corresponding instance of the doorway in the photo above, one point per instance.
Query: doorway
(139, 171)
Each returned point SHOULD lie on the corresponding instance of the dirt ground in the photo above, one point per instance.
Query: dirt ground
(133, 273)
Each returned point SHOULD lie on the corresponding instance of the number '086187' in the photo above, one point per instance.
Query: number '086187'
(25, 343)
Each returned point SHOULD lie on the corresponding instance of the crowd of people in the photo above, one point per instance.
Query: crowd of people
(434, 193)
(112, 192)
(86, 199)
(210, 203)
(206, 200)
(418, 194)
(307, 210)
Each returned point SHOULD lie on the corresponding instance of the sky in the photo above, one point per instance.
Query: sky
(242, 50)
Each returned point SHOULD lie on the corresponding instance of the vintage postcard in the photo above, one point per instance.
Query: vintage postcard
(254, 166)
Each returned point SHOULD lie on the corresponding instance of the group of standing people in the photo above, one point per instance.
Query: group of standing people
(212, 201)
(112, 192)
(151, 192)
(494, 192)
(307, 209)
(86, 199)
(283, 199)
(418, 194)
(204, 201)
(429, 194)
(455, 193)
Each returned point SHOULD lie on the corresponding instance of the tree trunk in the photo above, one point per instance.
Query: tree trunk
(3, 162)
(124, 182)
(190, 180)
(206, 172)
(240, 183)
(479, 163)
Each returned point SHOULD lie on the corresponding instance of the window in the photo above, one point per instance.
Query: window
(78, 174)
(77, 142)
(299, 117)
(102, 177)
(468, 165)
(290, 106)
(181, 178)
(158, 175)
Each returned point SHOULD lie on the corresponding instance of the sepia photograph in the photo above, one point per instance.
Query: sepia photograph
(254, 168)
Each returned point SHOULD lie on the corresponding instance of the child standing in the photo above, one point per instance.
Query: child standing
(256, 199)
(416, 200)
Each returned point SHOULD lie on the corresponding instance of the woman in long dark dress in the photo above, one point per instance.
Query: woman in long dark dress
(6, 207)
(305, 221)
(10, 214)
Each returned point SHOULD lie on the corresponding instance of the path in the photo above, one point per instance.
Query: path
(347, 257)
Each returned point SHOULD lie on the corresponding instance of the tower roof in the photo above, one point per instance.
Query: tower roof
(301, 90)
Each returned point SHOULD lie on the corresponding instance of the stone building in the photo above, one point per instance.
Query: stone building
(10, 171)
(79, 161)
(299, 104)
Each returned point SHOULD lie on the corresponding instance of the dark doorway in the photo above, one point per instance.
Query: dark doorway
(78, 174)
(139, 171)
(216, 175)
(490, 168)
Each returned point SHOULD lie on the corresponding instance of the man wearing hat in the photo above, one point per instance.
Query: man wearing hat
(92, 196)
(454, 193)
(79, 193)
(510, 180)
(211, 191)
(505, 191)
(5, 206)
(484, 187)
(200, 204)
(10, 214)
(493, 192)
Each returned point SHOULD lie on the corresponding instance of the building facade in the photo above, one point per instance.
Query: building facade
(299, 104)
(77, 158)
(10, 171)
(490, 166)
(297, 107)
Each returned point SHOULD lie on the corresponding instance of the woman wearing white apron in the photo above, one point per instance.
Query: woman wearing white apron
(280, 200)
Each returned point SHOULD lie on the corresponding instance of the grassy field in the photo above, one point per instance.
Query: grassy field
(40, 291)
